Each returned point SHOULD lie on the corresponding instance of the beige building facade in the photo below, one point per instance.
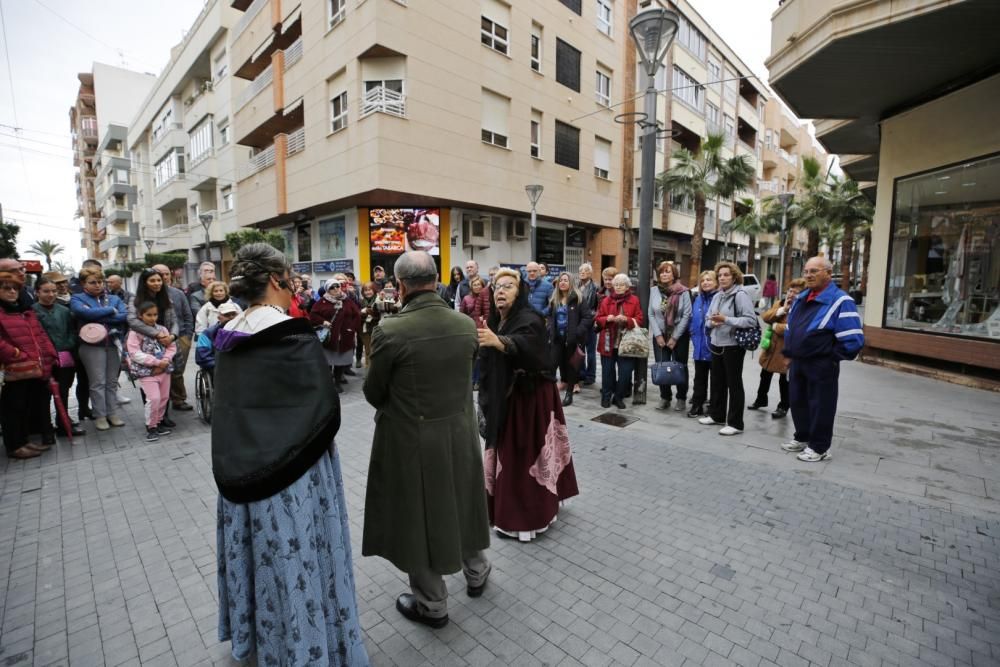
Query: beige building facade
(926, 140)
(181, 134)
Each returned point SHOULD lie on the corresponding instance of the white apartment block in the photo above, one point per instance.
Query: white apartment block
(362, 120)
(181, 136)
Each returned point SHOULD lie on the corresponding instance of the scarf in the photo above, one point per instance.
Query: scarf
(619, 299)
(217, 302)
(671, 299)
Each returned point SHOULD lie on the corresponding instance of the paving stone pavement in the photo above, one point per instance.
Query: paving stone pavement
(683, 549)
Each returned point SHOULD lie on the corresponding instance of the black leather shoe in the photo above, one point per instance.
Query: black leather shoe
(349, 371)
(605, 402)
(475, 591)
(406, 604)
(696, 412)
(169, 423)
(757, 405)
(664, 404)
(49, 439)
(779, 413)
(619, 403)
(183, 407)
(568, 398)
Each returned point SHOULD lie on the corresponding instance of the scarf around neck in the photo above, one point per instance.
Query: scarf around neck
(672, 296)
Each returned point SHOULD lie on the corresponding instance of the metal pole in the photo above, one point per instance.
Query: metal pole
(534, 235)
(647, 187)
(781, 254)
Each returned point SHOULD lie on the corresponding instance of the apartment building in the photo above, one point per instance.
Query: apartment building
(370, 127)
(106, 100)
(181, 135)
(919, 120)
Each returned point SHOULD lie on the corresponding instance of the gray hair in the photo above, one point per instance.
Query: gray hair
(416, 269)
(827, 264)
(206, 265)
(621, 278)
(586, 265)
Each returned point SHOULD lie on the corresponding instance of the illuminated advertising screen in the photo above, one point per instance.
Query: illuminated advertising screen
(393, 231)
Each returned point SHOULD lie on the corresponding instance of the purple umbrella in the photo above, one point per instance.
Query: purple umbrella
(61, 413)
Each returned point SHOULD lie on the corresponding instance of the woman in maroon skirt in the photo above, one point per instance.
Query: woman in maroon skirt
(529, 467)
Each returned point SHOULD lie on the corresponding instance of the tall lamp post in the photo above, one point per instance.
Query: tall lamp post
(785, 199)
(534, 194)
(653, 30)
(206, 222)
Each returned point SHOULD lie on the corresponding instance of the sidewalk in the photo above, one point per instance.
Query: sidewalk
(684, 548)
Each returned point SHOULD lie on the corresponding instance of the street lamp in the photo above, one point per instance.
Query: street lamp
(206, 222)
(785, 199)
(534, 194)
(653, 30)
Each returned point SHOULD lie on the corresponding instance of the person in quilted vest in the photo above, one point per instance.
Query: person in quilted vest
(28, 356)
(150, 362)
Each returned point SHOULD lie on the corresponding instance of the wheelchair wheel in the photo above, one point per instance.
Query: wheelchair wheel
(203, 395)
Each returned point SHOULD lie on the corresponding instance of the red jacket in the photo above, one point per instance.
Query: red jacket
(22, 338)
(608, 338)
(478, 307)
(344, 324)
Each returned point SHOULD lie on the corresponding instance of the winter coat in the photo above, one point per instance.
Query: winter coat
(658, 315)
(107, 310)
(477, 307)
(145, 353)
(209, 315)
(607, 340)
(828, 326)
(185, 317)
(370, 319)
(425, 505)
(58, 324)
(197, 298)
(22, 338)
(204, 347)
(589, 295)
(772, 359)
(580, 319)
(699, 334)
(344, 323)
(736, 305)
(539, 293)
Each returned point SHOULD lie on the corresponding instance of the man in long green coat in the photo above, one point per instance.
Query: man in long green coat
(425, 509)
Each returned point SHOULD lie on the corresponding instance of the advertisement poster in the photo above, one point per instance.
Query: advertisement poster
(332, 238)
(393, 231)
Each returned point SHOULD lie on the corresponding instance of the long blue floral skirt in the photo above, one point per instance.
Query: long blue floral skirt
(286, 583)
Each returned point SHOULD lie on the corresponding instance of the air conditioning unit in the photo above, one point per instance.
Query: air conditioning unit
(518, 229)
(475, 232)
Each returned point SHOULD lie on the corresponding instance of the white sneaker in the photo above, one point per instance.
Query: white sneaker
(123, 399)
(809, 456)
(729, 430)
(708, 421)
(101, 424)
(793, 446)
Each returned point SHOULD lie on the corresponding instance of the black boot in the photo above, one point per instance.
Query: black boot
(568, 398)
(758, 404)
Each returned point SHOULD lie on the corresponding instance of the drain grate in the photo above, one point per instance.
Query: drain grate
(614, 419)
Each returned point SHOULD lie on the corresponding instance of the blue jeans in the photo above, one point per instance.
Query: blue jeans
(589, 371)
(616, 376)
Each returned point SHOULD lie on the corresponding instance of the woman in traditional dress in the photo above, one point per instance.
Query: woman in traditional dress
(529, 467)
(286, 580)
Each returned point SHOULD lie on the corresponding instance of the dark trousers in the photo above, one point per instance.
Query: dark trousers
(699, 391)
(679, 353)
(82, 388)
(813, 390)
(23, 403)
(567, 373)
(589, 371)
(727, 383)
(765, 386)
(178, 392)
(616, 376)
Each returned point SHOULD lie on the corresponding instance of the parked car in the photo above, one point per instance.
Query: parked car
(752, 287)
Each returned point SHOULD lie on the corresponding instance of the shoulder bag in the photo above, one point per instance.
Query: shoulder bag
(749, 338)
(28, 369)
(669, 373)
(634, 343)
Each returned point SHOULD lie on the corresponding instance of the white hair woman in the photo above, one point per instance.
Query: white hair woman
(620, 310)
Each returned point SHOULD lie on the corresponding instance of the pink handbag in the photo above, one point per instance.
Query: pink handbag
(93, 333)
(66, 359)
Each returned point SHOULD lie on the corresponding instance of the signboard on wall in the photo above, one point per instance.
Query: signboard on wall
(550, 245)
(302, 267)
(334, 266)
(576, 238)
(393, 231)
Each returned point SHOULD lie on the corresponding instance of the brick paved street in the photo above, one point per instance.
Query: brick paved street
(683, 548)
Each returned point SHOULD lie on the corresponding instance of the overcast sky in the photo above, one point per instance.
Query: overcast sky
(50, 41)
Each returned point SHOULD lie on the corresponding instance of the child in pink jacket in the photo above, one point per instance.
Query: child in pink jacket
(150, 363)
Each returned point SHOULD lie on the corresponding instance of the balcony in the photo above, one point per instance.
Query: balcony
(116, 216)
(258, 162)
(120, 240)
(170, 138)
(114, 139)
(269, 32)
(256, 86)
(249, 15)
(202, 172)
(770, 187)
(172, 194)
(296, 142)
(383, 100)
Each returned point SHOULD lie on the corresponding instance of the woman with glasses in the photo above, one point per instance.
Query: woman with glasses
(103, 320)
(340, 318)
(529, 466)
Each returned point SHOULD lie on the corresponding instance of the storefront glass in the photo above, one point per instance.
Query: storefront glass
(333, 238)
(944, 263)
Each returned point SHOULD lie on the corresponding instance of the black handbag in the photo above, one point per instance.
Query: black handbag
(748, 339)
(669, 373)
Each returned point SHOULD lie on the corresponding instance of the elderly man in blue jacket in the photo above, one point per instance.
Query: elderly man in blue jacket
(539, 289)
(824, 328)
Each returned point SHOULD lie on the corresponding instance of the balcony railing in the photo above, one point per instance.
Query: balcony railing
(384, 100)
(293, 53)
(247, 17)
(790, 158)
(260, 161)
(296, 141)
(260, 83)
(767, 186)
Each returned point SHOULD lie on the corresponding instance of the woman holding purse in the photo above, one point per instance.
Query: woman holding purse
(103, 319)
(57, 322)
(567, 330)
(771, 359)
(341, 317)
(28, 356)
(618, 312)
(669, 316)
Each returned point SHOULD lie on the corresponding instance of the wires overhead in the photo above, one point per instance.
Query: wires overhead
(13, 100)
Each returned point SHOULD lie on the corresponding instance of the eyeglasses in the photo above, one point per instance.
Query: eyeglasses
(12, 288)
(505, 286)
(810, 272)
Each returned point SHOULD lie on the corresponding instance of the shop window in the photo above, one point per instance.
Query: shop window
(332, 238)
(944, 262)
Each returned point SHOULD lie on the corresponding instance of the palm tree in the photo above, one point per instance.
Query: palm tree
(46, 249)
(753, 223)
(851, 211)
(702, 176)
(811, 206)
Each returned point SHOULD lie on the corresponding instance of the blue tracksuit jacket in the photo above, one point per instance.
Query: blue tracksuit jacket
(829, 326)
